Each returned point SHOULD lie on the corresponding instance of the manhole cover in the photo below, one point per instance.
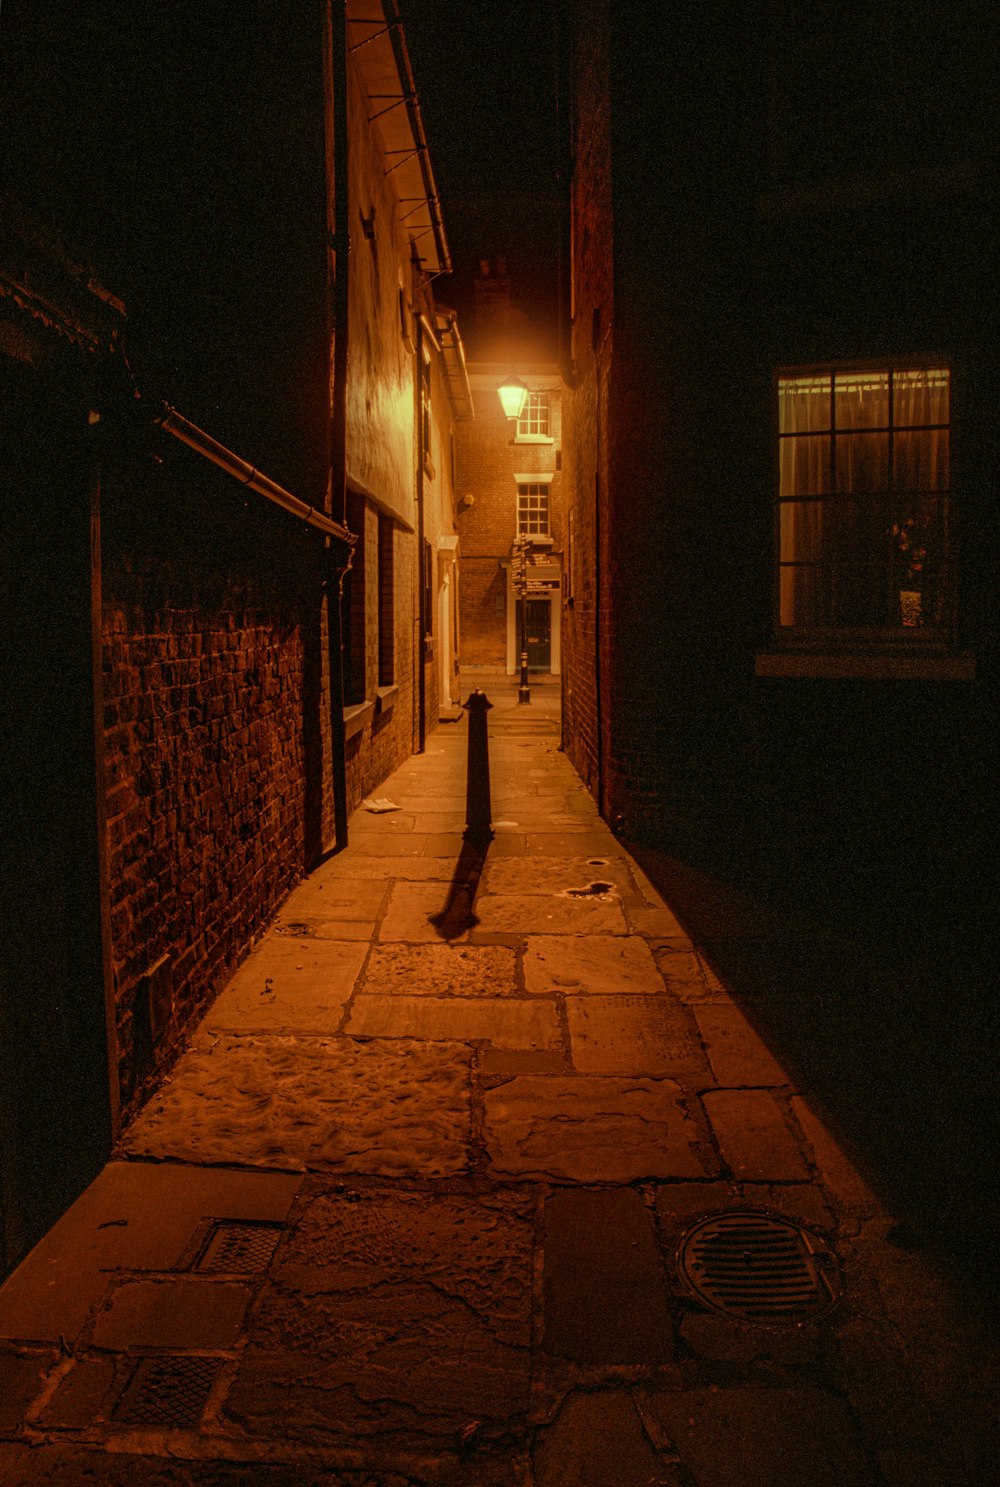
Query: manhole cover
(168, 1391)
(237, 1248)
(759, 1267)
(298, 929)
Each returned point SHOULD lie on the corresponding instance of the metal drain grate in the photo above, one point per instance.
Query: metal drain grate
(759, 1267)
(239, 1248)
(168, 1391)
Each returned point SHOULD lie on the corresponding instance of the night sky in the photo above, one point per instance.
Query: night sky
(485, 76)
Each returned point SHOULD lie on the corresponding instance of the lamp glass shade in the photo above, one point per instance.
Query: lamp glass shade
(513, 394)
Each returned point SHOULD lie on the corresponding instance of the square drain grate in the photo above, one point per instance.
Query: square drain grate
(168, 1391)
(235, 1247)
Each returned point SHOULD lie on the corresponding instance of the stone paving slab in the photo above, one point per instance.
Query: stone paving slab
(296, 927)
(594, 841)
(81, 1394)
(441, 970)
(605, 1288)
(632, 1035)
(772, 1437)
(133, 1216)
(498, 1064)
(598, 1440)
(681, 970)
(446, 844)
(835, 1167)
(545, 875)
(70, 1465)
(402, 1314)
(589, 1129)
(655, 923)
(753, 1137)
(501, 1023)
(358, 864)
(299, 983)
(21, 1377)
(426, 913)
(329, 897)
(597, 964)
(737, 1054)
(177, 1313)
(512, 913)
(323, 1104)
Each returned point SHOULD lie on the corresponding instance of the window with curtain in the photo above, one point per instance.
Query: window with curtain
(864, 502)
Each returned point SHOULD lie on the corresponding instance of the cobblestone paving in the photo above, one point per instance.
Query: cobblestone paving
(467, 1105)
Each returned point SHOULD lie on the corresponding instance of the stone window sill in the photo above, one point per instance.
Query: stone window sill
(356, 716)
(841, 665)
(385, 700)
(533, 439)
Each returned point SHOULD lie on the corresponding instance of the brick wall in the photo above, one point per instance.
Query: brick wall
(586, 637)
(211, 663)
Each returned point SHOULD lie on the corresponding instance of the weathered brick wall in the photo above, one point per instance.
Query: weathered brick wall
(586, 637)
(212, 715)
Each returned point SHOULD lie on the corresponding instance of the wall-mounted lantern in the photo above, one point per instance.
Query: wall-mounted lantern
(513, 394)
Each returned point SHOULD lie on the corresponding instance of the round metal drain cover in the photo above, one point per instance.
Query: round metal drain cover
(759, 1267)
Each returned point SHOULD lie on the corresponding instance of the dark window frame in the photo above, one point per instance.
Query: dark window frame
(940, 633)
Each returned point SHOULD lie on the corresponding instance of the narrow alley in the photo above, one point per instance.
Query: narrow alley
(425, 1202)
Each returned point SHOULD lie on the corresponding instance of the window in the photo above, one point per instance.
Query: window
(864, 505)
(352, 608)
(427, 587)
(535, 421)
(533, 509)
(386, 605)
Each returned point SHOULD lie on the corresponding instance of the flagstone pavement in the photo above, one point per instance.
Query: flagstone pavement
(408, 1210)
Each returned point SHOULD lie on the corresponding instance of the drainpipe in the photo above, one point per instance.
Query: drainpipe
(195, 438)
(338, 298)
(421, 656)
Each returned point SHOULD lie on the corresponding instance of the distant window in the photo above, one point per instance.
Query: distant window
(536, 417)
(864, 503)
(533, 509)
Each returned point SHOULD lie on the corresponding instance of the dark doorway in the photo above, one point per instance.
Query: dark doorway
(539, 633)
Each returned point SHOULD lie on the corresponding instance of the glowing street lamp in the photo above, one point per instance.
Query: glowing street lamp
(513, 394)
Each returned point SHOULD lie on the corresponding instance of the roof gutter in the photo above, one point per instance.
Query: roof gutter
(456, 367)
(394, 20)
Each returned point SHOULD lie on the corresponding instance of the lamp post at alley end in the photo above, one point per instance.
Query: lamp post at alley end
(513, 394)
(522, 549)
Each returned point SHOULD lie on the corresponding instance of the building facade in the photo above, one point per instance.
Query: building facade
(193, 466)
(510, 521)
(781, 461)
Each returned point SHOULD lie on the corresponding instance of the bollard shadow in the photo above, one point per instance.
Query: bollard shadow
(458, 914)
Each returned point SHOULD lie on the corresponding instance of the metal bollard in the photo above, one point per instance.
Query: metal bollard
(478, 812)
